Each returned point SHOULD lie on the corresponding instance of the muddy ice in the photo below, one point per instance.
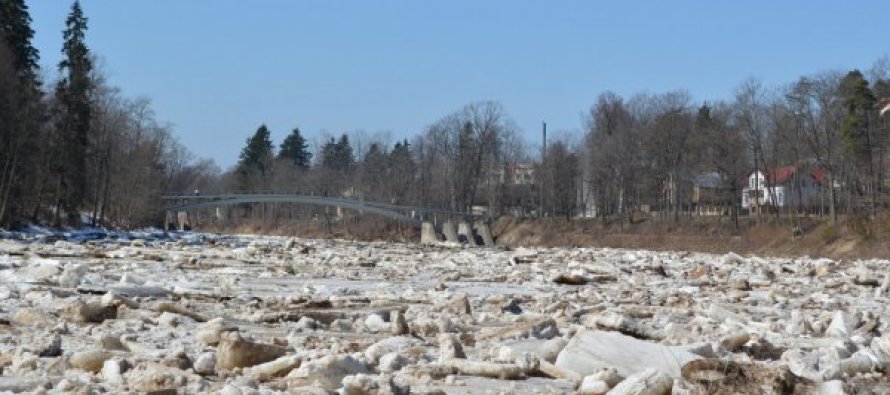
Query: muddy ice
(254, 315)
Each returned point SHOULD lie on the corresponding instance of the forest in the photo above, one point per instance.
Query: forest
(77, 150)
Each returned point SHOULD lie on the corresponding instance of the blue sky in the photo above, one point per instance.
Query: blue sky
(217, 69)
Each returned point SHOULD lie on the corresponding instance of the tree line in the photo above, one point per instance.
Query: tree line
(638, 154)
(75, 149)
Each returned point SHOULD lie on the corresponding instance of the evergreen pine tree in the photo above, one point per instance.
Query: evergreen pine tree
(345, 156)
(329, 154)
(373, 171)
(401, 170)
(73, 92)
(256, 157)
(295, 149)
(859, 102)
(15, 30)
(337, 155)
(20, 113)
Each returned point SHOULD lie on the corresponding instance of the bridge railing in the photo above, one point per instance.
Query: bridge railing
(175, 195)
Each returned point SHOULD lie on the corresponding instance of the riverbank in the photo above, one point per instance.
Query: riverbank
(849, 239)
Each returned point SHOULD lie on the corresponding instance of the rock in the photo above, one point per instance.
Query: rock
(551, 349)
(885, 285)
(156, 379)
(113, 370)
(205, 364)
(797, 324)
(591, 351)
(450, 347)
(833, 387)
(235, 352)
(15, 384)
(72, 275)
(375, 323)
(89, 312)
(330, 370)
(276, 368)
(700, 271)
(290, 244)
(484, 369)
(457, 305)
(399, 324)
(734, 343)
(51, 346)
(212, 330)
(740, 284)
(727, 376)
(361, 384)
(609, 376)
(173, 320)
(575, 278)
(392, 362)
(591, 386)
(230, 390)
(31, 317)
(544, 329)
(39, 273)
(866, 280)
(90, 360)
(618, 322)
(307, 323)
(112, 299)
(842, 325)
(179, 360)
(389, 345)
(647, 382)
(512, 307)
(112, 343)
(177, 309)
(732, 259)
(546, 350)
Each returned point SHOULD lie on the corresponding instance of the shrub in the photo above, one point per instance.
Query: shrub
(829, 232)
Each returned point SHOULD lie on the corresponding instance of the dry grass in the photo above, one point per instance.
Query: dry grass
(767, 236)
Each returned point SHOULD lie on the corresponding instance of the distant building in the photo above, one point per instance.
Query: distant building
(707, 197)
(700, 194)
(782, 187)
(517, 174)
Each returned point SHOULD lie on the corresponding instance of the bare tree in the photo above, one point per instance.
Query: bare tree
(813, 101)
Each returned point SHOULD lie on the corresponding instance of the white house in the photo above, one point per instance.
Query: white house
(778, 188)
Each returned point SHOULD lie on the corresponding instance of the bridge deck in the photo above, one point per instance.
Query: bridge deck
(399, 212)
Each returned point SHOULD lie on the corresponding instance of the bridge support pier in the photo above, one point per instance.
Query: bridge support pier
(484, 233)
(428, 233)
(449, 232)
(182, 218)
(465, 233)
(168, 220)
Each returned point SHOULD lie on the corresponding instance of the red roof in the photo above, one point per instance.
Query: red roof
(782, 174)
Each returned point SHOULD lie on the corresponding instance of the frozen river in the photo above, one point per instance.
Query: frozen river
(247, 314)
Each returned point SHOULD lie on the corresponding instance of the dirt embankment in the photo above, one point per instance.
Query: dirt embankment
(850, 239)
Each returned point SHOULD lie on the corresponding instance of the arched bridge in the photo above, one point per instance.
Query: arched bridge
(183, 203)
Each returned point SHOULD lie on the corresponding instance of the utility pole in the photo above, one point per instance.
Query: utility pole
(541, 176)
